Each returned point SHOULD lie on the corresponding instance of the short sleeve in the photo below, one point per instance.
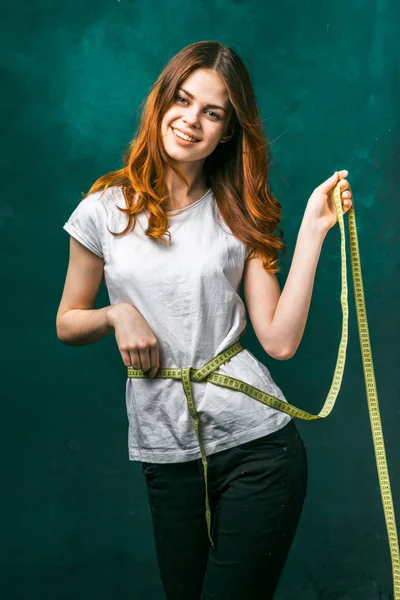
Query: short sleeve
(85, 223)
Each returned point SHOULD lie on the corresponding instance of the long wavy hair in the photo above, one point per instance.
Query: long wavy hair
(237, 171)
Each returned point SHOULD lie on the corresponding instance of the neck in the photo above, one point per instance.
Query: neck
(181, 196)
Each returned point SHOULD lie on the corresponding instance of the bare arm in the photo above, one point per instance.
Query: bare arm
(291, 312)
(80, 327)
(279, 318)
(77, 323)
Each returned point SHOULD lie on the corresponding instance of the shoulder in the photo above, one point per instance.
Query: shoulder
(104, 198)
(104, 203)
(227, 230)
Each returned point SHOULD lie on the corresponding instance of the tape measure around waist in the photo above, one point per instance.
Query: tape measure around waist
(206, 374)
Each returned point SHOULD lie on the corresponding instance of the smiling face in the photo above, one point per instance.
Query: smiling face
(201, 108)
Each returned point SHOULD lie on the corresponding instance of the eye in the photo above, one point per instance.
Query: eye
(180, 98)
(213, 113)
(216, 117)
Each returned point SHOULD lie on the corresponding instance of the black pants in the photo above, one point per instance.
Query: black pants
(256, 493)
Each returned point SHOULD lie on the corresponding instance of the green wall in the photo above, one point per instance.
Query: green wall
(75, 519)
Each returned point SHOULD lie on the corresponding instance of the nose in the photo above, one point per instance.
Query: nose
(191, 119)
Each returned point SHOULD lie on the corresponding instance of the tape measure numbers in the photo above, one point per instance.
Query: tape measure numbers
(206, 373)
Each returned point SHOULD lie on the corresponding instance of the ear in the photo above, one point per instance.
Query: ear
(225, 138)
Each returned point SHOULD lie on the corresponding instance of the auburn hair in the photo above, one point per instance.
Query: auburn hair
(237, 171)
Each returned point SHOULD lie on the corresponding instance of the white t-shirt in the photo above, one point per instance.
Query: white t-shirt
(188, 292)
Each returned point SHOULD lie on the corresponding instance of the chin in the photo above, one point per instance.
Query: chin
(176, 155)
(181, 155)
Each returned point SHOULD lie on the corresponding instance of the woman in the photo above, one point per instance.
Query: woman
(195, 215)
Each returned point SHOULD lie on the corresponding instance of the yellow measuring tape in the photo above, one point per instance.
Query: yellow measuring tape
(205, 373)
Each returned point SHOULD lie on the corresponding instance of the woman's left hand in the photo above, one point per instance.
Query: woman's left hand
(321, 209)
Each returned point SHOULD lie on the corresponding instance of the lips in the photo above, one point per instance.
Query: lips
(186, 133)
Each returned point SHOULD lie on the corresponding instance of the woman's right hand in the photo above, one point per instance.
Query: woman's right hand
(136, 341)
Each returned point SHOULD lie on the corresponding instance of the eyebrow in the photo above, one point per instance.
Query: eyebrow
(208, 105)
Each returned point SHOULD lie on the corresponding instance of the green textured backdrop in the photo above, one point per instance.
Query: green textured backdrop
(75, 519)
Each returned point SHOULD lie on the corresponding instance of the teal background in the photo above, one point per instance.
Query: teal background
(74, 516)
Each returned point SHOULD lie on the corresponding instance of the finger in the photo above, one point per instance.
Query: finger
(346, 206)
(126, 358)
(144, 354)
(327, 185)
(155, 361)
(134, 358)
